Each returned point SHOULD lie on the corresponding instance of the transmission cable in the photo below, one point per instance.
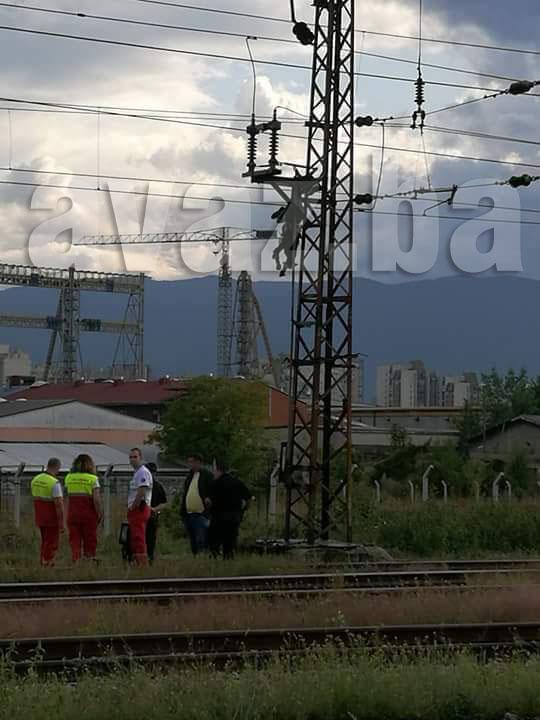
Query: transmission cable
(228, 33)
(233, 58)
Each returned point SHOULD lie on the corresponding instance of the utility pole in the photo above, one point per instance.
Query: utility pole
(318, 472)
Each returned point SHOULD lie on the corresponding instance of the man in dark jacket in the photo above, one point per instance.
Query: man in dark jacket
(158, 502)
(229, 500)
(195, 506)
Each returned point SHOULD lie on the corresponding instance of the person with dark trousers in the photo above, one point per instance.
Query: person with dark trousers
(195, 506)
(229, 500)
(158, 502)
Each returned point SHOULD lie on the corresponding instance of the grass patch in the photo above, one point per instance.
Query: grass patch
(322, 686)
(460, 529)
(516, 604)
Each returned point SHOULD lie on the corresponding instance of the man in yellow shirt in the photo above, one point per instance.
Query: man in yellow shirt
(195, 507)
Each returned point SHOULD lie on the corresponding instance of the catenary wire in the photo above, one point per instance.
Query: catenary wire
(135, 192)
(225, 128)
(235, 13)
(228, 33)
(233, 58)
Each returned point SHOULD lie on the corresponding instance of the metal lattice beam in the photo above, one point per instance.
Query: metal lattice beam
(67, 324)
(225, 309)
(319, 459)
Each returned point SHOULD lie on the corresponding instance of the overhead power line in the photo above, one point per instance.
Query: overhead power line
(221, 57)
(130, 178)
(139, 193)
(216, 126)
(228, 33)
(270, 18)
(467, 133)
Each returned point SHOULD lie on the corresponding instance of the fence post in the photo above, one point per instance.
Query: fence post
(508, 486)
(495, 487)
(425, 483)
(377, 490)
(107, 523)
(17, 499)
(411, 489)
(272, 500)
(444, 490)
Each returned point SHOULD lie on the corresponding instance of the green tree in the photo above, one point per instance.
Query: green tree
(469, 425)
(504, 397)
(399, 437)
(219, 418)
(517, 472)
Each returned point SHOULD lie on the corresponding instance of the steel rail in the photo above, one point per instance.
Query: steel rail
(166, 598)
(255, 584)
(56, 653)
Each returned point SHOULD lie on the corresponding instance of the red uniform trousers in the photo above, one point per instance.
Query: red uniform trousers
(50, 540)
(82, 525)
(137, 521)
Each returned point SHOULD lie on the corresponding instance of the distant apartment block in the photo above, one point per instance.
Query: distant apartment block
(411, 384)
(13, 363)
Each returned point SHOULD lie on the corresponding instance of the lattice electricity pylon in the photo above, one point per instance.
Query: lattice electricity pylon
(319, 449)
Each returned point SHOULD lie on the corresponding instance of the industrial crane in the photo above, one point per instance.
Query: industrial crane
(221, 237)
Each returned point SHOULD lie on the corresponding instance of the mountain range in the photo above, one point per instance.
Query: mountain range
(453, 324)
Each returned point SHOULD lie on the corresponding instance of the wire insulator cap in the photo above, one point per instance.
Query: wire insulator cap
(364, 121)
(304, 33)
(365, 199)
(521, 87)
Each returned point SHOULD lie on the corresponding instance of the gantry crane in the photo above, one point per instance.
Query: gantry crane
(67, 325)
(221, 237)
(317, 238)
(248, 326)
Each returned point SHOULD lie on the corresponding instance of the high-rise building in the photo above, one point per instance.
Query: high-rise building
(410, 385)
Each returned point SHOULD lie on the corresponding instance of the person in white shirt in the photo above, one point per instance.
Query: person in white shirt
(139, 506)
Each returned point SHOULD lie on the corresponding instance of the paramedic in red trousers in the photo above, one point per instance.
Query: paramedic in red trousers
(84, 508)
(48, 510)
(139, 506)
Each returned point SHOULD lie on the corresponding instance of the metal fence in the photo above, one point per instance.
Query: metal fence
(16, 505)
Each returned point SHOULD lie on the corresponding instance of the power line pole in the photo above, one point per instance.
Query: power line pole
(319, 221)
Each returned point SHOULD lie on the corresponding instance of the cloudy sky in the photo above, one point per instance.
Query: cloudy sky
(74, 151)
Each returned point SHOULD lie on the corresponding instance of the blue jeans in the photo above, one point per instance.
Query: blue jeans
(197, 529)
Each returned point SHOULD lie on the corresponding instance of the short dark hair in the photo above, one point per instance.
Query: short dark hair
(54, 462)
(136, 449)
(195, 456)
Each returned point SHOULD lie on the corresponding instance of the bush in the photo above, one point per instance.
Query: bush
(465, 529)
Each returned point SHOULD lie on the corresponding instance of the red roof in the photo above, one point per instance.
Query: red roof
(118, 392)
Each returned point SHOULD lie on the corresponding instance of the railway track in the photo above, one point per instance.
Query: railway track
(168, 589)
(107, 652)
